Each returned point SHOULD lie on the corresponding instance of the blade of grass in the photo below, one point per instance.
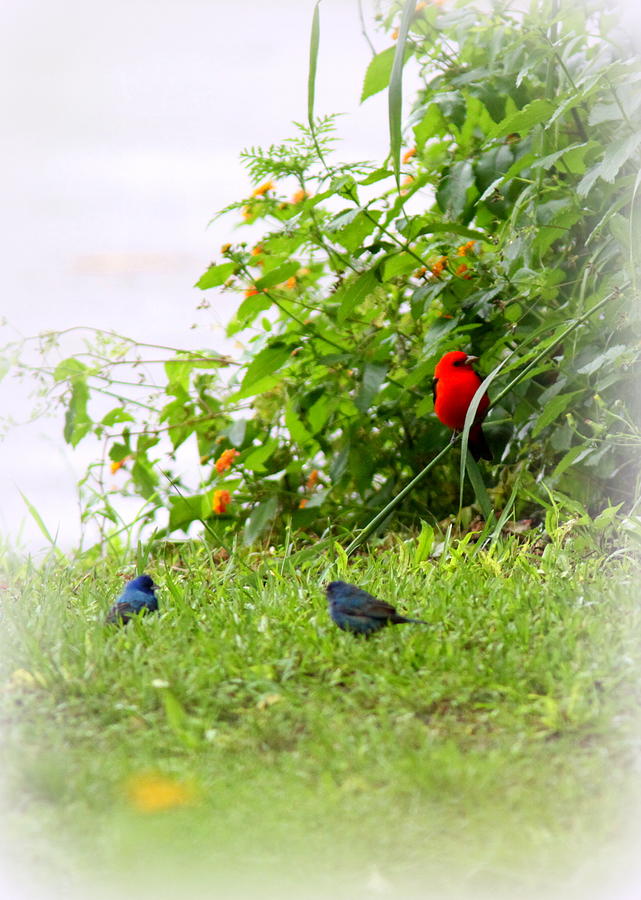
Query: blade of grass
(314, 43)
(395, 91)
(480, 491)
(505, 514)
(41, 525)
(394, 502)
(474, 473)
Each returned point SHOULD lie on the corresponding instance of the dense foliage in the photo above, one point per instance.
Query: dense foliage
(511, 233)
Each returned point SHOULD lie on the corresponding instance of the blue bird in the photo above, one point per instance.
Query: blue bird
(137, 597)
(353, 609)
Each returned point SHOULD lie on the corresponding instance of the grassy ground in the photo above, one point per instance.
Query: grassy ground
(239, 745)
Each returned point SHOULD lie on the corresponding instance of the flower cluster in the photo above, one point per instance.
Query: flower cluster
(220, 502)
(226, 460)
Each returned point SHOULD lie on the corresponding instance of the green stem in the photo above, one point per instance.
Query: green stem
(394, 502)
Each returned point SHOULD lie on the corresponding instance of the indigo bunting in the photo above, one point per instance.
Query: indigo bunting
(353, 609)
(138, 596)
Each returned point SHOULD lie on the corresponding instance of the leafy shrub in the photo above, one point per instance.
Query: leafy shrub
(512, 233)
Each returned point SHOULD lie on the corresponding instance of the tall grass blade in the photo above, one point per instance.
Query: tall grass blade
(395, 93)
(41, 525)
(480, 491)
(313, 63)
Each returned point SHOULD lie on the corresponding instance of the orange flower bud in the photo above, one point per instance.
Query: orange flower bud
(221, 501)
(262, 189)
(119, 463)
(226, 460)
(438, 266)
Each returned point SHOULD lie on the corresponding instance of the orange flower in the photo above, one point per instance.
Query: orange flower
(410, 153)
(395, 34)
(311, 481)
(251, 291)
(299, 196)
(225, 248)
(154, 792)
(247, 213)
(290, 284)
(119, 463)
(226, 460)
(262, 189)
(257, 250)
(221, 501)
(303, 503)
(465, 248)
(462, 271)
(420, 272)
(438, 266)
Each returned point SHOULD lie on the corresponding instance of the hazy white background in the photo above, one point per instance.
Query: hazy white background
(120, 134)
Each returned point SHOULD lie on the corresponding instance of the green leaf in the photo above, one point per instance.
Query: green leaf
(298, 433)
(259, 520)
(378, 73)
(574, 454)
(606, 517)
(373, 377)
(353, 234)
(69, 368)
(183, 510)
(235, 433)
(215, 276)
(452, 193)
(352, 294)
(553, 409)
(263, 365)
(255, 460)
(533, 114)
(145, 478)
(615, 156)
(277, 276)
(376, 175)
(395, 94)
(424, 543)
(248, 310)
(613, 356)
(115, 416)
(77, 421)
(398, 264)
(414, 227)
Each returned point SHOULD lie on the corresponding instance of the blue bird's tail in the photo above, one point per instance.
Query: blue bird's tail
(403, 620)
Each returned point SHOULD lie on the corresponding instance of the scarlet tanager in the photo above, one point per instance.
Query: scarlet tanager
(455, 383)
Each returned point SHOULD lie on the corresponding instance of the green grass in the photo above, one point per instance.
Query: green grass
(490, 754)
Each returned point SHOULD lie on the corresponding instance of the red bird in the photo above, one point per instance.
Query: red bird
(455, 383)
